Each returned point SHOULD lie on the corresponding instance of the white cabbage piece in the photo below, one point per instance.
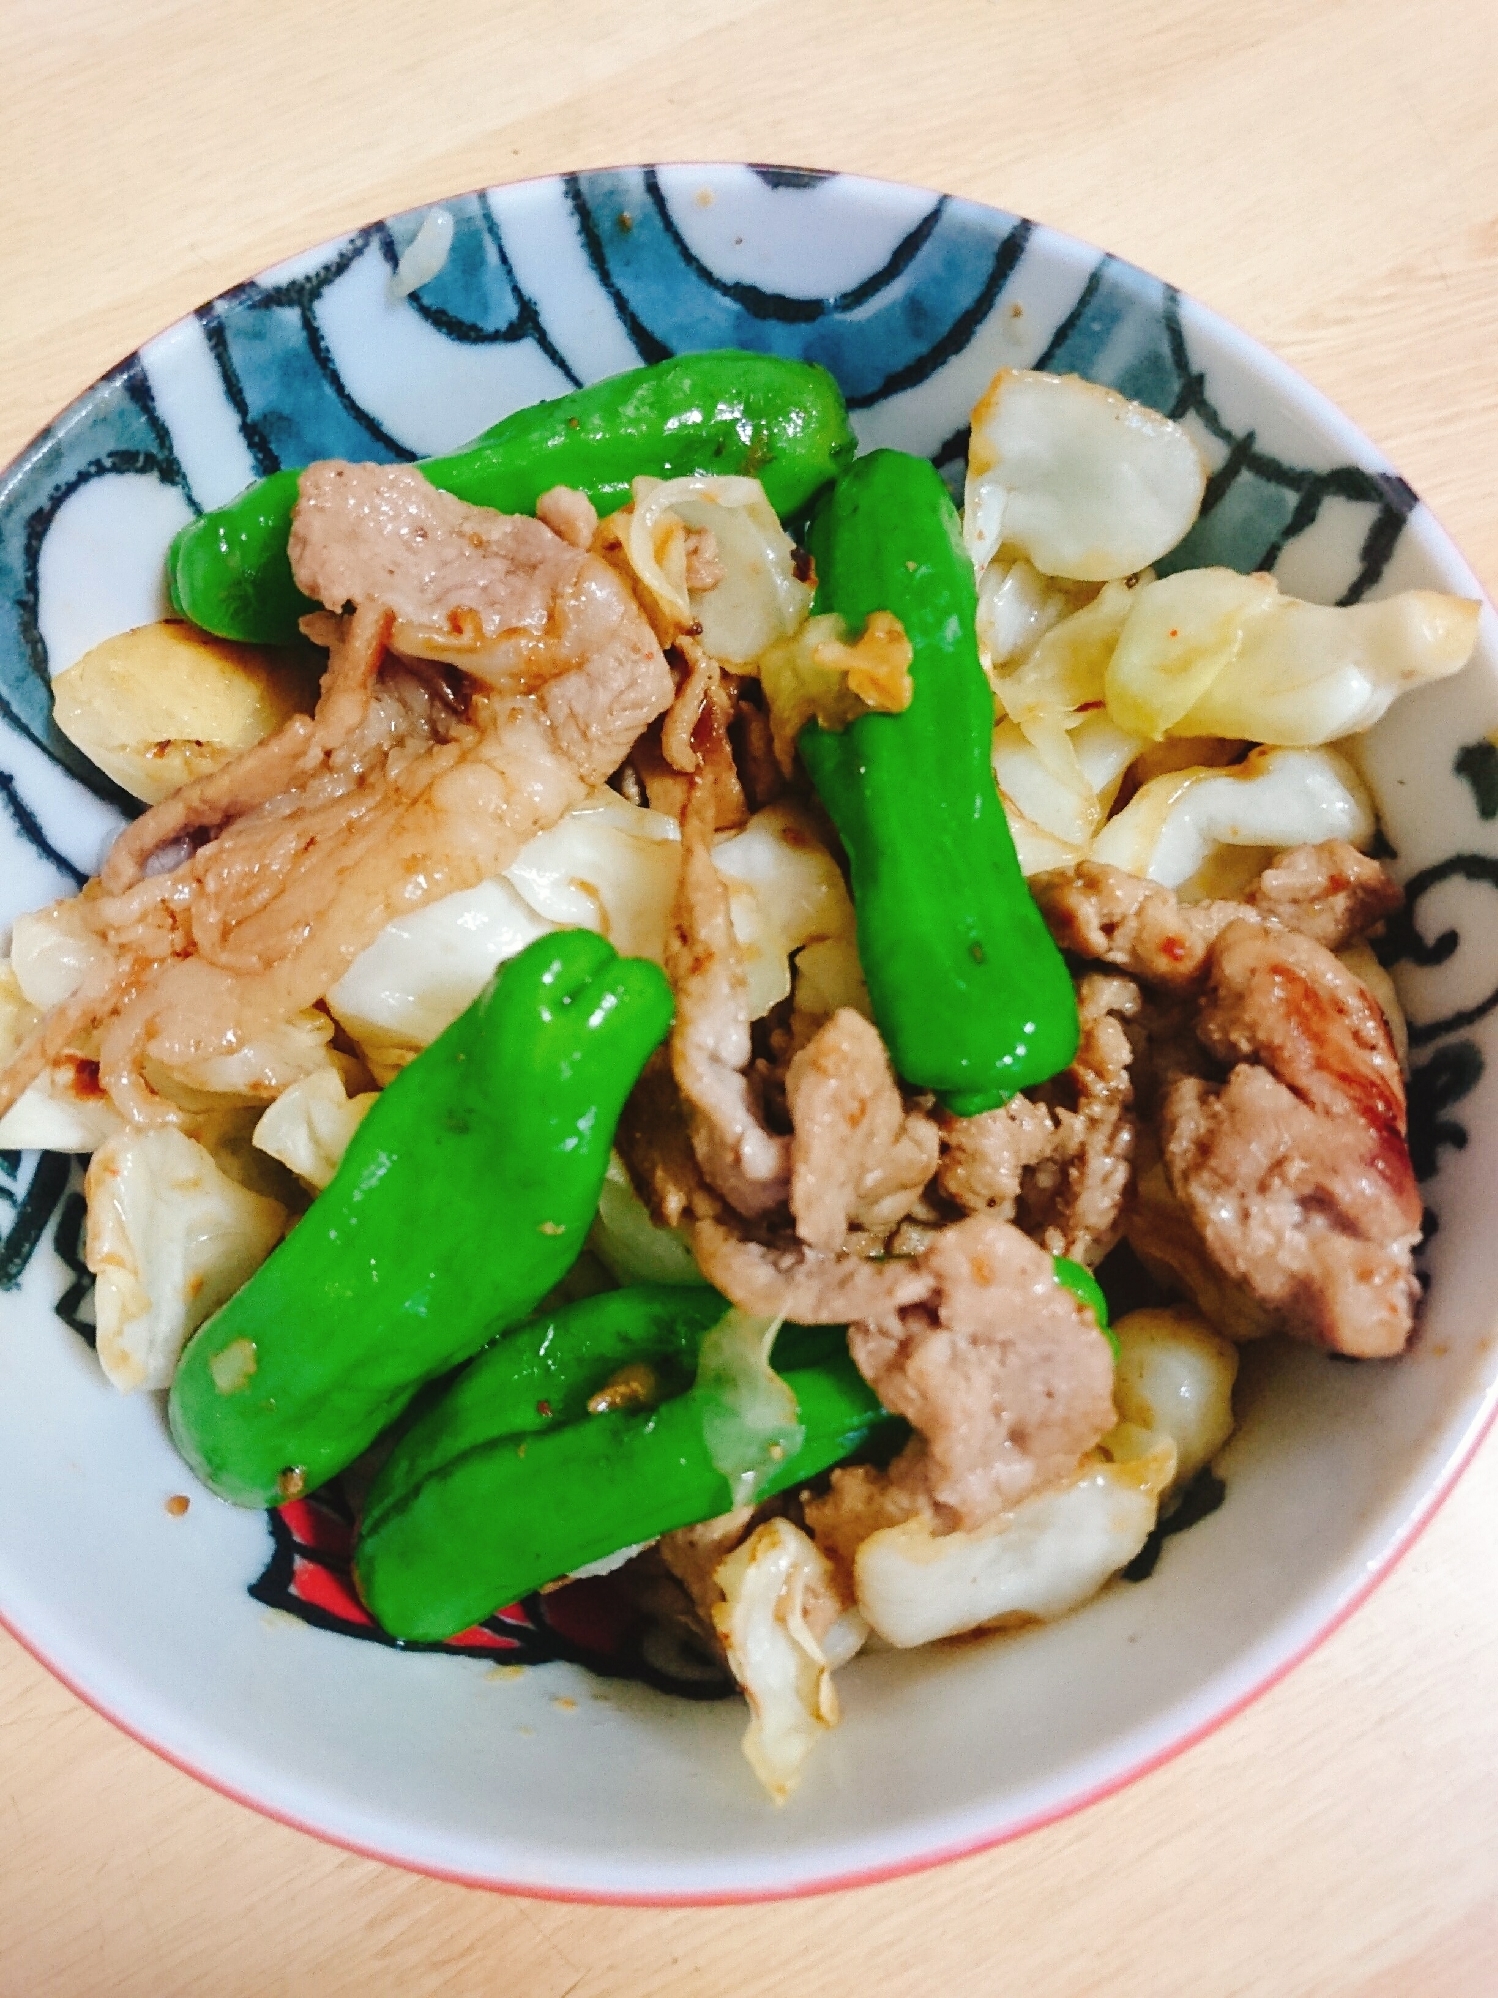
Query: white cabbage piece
(17, 1014)
(64, 1109)
(52, 951)
(1068, 808)
(817, 674)
(170, 1238)
(750, 1419)
(608, 866)
(309, 1126)
(1060, 681)
(1017, 606)
(59, 1112)
(1276, 798)
(1036, 849)
(757, 598)
(1040, 1559)
(1081, 481)
(1174, 1376)
(785, 892)
(628, 1243)
(783, 1670)
(424, 256)
(1210, 652)
(422, 970)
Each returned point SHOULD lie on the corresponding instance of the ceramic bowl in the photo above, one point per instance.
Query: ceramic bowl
(230, 1643)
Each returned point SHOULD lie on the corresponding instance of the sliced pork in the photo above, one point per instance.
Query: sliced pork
(1295, 1171)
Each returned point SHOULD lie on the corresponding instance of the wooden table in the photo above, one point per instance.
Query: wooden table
(1325, 172)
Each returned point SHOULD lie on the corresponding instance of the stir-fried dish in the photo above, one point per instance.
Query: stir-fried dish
(659, 960)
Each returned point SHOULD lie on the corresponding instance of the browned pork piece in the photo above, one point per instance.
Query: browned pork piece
(240, 901)
(1285, 1152)
(1064, 1160)
(857, 1157)
(1295, 1171)
(1329, 892)
(1002, 1373)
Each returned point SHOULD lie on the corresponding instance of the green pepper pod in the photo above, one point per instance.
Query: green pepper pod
(783, 422)
(494, 1492)
(969, 991)
(464, 1196)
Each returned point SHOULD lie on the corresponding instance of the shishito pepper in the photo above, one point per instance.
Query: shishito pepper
(464, 1196)
(510, 1480)
(969, 991)
(783, 422)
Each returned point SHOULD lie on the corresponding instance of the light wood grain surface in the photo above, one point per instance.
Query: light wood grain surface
(1325, 172)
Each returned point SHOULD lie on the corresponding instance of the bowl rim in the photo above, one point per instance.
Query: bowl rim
(1319, 1620)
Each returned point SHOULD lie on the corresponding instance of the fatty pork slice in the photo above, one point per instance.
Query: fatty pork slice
(1295, 1170)
(241, 900)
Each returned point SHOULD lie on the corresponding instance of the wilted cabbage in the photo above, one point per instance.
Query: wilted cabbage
(1174, 1376)
(629, 1244)
(1060, 681)
(754, 596)
(1040, 1559)
(608, 866)
(52, 951)
(309, 1126)
(17, 1014)
(1076, 478)
(1017, 606)
(784, 1672)
(1275, 798)
(828, 976)
(750, 1422)
(422, 970)
(60, 1112)
(1065, 807)
(170, 1238)
(785, 892)
(1210, 652)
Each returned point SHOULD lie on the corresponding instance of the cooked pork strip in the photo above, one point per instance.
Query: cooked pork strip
(710, 1045)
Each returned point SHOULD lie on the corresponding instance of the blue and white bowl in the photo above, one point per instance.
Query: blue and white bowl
(224, 1641)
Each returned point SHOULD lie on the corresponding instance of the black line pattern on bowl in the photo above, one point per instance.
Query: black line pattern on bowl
(1476, 763)
(30, 1196)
